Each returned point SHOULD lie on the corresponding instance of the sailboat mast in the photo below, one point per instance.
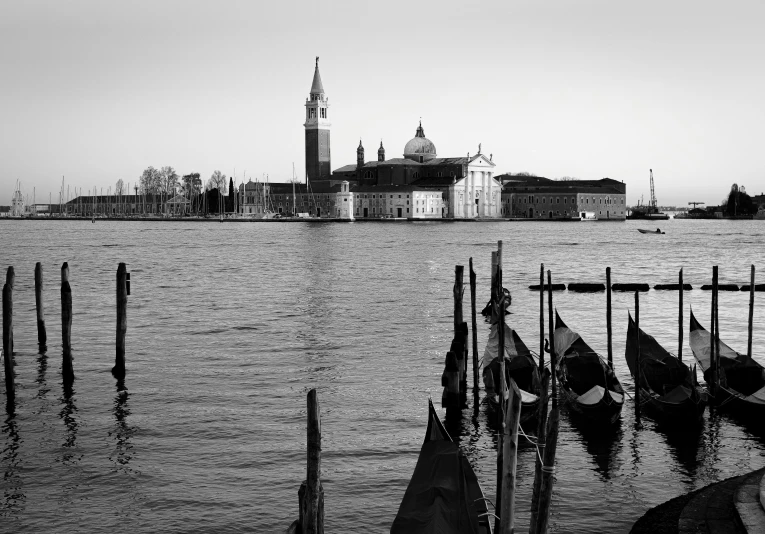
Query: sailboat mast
(294, 200)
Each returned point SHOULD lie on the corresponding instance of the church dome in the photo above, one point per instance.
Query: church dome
(420, 148)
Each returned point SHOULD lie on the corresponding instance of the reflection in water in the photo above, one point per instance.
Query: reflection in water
(13, 495)
(122, 432)
(683, 442)
(67, 413)
(602, 442)
(42, 363)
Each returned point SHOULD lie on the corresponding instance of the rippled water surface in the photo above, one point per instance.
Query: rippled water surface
(229, 325)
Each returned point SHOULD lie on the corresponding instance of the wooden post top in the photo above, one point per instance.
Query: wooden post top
(10, 277)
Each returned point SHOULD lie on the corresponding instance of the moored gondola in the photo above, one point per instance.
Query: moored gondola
(668, 388)
(443, 495)
(740, 387)
(587, 383)
(519, 365)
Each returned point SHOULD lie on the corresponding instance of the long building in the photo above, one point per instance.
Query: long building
(535, 197)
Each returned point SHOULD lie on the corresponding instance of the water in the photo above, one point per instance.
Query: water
(229, 325)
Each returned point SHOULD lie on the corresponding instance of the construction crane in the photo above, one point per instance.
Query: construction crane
(653, 196)
(694, 204)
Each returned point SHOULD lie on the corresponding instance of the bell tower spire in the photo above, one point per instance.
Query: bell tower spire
(317, 153)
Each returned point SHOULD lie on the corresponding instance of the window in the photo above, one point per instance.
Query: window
(557, 200)
(565, 200)
(399, 196)
(391, 196)
(345, 200)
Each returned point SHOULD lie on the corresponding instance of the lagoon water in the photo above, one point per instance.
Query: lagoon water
(229, 325)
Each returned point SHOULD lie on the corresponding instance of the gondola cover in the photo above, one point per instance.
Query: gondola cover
(441, 496)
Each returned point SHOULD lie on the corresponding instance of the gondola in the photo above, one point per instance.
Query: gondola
(657, 231)
(587, 382)
(668, 388)
(741, 387)
(519, 365)
(443, 495)
(487, 310)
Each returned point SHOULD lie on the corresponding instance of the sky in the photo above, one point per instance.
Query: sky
(97, 91)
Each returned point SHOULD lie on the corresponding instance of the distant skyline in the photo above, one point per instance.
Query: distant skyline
(99, 91)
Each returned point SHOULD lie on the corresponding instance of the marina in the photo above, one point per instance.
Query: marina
(212, 407)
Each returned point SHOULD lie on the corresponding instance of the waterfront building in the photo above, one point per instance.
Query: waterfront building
(320, 199)
(535, 197)
(178, 205)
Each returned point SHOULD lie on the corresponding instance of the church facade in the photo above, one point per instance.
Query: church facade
(465, 185)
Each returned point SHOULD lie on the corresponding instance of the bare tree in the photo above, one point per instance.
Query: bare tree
(119, 189)
(169, 180)
(217, 180)
(151, 180)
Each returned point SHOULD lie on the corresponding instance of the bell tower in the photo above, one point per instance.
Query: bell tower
(317, 155)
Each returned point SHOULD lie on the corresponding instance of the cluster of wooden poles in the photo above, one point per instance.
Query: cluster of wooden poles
(67, 367)
(454, 381)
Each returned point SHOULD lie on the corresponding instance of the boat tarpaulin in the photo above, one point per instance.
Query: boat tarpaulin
(701, 345)
(441, 496)
(492, 345)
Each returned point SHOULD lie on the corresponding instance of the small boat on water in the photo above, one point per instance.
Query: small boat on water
(519, 365)
(443, 495)
(741, 386)
(668, 388)
(657, 231)
(586, 381)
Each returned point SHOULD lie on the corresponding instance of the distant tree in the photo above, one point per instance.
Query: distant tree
(192, 183)
(151, 180)
(568, 178)
(738, 202)
(169, 180)
(217, 181)
(524, 173)
(119, 189)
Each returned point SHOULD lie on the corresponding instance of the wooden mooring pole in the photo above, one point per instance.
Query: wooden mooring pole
(10, 386)
(459, 291)
(510, 459)
(716, 296)
(460, 328)
(712, 361)
(608, 318)
(549, 440)
(541, 433)
(312, 505)
(637, 372)
(450, 380)
(475, 334)
(680, 321)
(499, 301)
(548, 470)
(119, 364)
(42, 336)
(541, 316)
(553, 354)
(751, 314)
(67, 369)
